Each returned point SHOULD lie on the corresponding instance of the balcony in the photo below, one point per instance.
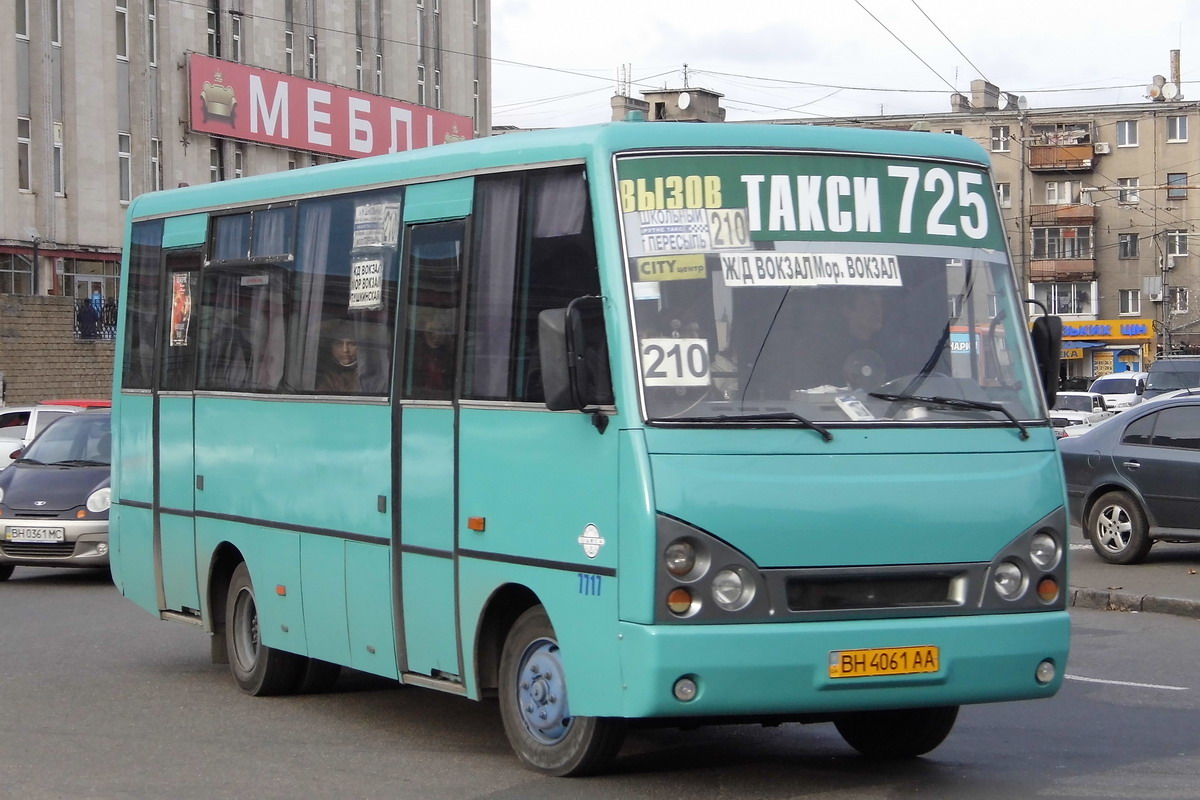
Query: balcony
(1063, 269)
(1061, 157)
(1062, 214)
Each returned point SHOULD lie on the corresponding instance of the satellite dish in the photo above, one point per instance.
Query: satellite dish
(1170, 90)
(1023, 102)
(1153, 92)
(1159, 80)
(685, 100)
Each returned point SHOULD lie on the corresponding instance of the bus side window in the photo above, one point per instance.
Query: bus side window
(179, 333)
(534, 249)
(431, 309)
(141, 305)
(242, 330)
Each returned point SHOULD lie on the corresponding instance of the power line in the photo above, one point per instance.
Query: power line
(906, 47)
(948, 39)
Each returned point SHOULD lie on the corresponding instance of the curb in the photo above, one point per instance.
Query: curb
(1123, 601)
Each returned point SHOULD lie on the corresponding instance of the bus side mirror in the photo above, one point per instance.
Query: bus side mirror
(1046, 336)
(573, 350)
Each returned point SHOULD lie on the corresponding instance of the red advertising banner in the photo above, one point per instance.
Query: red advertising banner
(258, 105)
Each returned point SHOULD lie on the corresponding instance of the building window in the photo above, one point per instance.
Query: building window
(60, 185)
(420, 84)
(56, 23)
(437, 88)
(1062, 243)
(379, 73)
(24, 148)
(235, 37)
(214, 28)
(1127, 133)
(289, 53)
(475, 112)
(1065, 298)
(239, 161)
(1129, 191)
(1177, 130)
(122, 30)
(1000, 139)
(1177, 179)
(957, 131)
(1179, 299)
(1129, 302)
(16, 274)
(311, 57)
(124, 164)
(358, 69)
(152, 31)
(1058, 193)
(22, 19)
(216, 162)
(1177, 243)
(1127, 245)
(156, 165)
(1003, 190)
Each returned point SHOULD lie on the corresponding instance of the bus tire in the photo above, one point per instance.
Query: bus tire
(6, 571)
(899, 733)
(259, 670)
(534, 709)
(1117, 529)
(317, 676)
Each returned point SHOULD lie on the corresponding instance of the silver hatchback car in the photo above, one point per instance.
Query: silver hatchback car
(54, 498)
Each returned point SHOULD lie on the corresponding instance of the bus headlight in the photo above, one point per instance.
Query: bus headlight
(1044, 551)
(680, 557)
(1009, 580)
(100, 500)
(732, 589)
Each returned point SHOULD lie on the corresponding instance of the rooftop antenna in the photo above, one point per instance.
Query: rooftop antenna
(685, 76)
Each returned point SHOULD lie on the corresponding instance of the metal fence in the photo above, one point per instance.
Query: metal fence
(96, 320)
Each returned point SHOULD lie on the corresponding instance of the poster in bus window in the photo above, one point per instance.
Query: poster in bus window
(376, 225)
(181, 308)
(366, 285)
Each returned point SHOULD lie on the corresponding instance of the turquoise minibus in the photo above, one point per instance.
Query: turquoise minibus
(632, 424)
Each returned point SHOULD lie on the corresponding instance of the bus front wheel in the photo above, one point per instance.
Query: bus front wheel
(258, 669)
(900, 733)
(534, 706)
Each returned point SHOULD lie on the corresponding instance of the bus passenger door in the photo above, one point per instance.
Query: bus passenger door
(174, 451)
(425, 431)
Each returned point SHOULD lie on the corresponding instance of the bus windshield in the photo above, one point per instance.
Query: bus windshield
(837, 289)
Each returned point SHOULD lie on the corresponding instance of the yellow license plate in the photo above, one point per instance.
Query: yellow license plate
(883, 661)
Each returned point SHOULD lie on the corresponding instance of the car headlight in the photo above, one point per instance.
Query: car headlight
(733, 588)
(100, 500)
(1009, 580)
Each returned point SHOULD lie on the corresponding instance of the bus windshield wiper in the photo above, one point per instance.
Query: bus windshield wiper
(774, 416)
(953, 402)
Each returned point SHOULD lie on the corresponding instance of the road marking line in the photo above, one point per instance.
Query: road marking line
(1127, 683)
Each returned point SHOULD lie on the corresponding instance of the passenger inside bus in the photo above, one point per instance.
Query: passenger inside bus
(339, 374)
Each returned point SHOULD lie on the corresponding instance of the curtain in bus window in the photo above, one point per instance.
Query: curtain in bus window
(560, 204)
(243, 331)
(305, 344)
(490, 334)
(272, 232)
(231, 237)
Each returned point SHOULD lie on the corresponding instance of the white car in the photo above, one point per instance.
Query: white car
(1070, 423)
(19, 424)
(1091, 404)
(1121, 390)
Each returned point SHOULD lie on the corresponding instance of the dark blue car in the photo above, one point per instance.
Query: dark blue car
(1134, 479)
(54, 498)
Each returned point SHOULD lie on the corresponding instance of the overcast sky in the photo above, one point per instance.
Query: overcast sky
(557, 62)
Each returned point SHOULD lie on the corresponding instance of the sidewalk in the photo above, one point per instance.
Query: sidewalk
(1167, 582)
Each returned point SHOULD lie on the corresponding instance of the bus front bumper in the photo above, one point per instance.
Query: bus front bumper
(783, 669)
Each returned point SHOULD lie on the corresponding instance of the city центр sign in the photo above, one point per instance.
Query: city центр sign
(258, 105)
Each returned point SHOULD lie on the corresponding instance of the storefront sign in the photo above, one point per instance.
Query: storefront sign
(258, 105)
(1110, 329)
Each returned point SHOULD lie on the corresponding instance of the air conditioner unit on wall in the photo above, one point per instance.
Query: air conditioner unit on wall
(1101, 148)
(1155, 298)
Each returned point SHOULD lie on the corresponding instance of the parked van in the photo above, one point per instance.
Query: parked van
(1121, 390)
(1172, 372)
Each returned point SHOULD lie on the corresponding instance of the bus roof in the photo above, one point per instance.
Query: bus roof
(558, 144)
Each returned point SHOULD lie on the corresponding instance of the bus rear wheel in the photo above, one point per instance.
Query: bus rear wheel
(258, 669)
(535, 711)
(900, 733)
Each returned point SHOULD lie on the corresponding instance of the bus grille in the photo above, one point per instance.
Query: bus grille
(847, 592)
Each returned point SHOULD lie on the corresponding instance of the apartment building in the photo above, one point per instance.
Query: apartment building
(107, 99)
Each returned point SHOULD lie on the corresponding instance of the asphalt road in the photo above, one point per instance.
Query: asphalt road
(100, 700)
